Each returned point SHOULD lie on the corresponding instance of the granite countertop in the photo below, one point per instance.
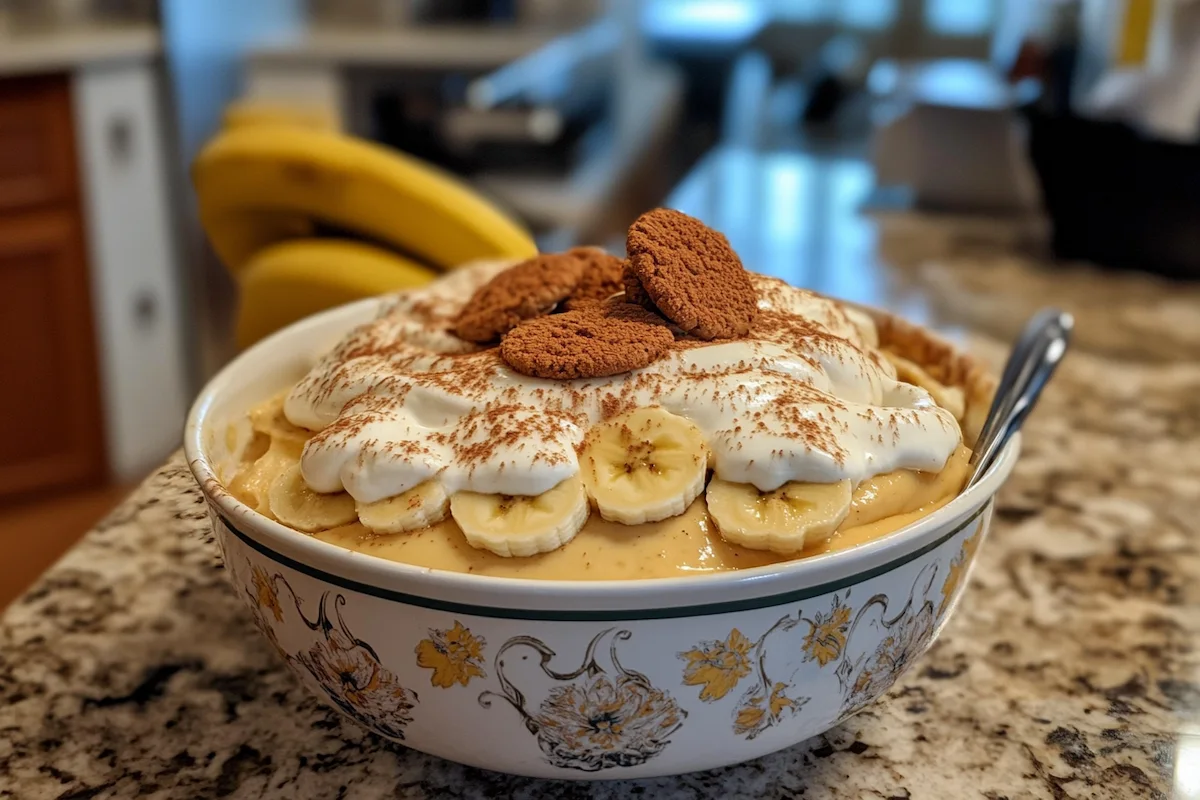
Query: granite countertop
(1069, 671)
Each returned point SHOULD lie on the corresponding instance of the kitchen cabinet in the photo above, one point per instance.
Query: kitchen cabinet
(93, 375)
(52, 433)
(53, 427)
(37, 165)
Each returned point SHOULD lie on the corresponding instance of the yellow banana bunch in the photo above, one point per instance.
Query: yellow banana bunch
(285, 201)
(245, 114)
(254, 182)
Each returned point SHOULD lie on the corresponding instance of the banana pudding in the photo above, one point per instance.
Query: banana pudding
(514, 421)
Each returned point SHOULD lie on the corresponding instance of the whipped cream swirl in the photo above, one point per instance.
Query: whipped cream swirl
(805, 397)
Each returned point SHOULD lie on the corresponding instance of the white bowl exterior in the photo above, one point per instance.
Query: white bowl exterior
(574, 680)
(684, 693)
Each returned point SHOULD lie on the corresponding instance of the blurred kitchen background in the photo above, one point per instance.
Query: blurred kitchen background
(907, 153)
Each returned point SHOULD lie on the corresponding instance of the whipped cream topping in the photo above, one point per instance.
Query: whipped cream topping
(805, 397)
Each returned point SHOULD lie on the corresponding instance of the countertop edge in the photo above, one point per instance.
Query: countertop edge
(57, 51)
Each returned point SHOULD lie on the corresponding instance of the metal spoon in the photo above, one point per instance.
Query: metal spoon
(1033, 360)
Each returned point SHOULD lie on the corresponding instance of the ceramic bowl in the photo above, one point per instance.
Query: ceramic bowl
(570, 680)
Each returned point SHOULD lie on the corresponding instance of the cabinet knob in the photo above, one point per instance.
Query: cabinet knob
(120, 138)
(145, 309)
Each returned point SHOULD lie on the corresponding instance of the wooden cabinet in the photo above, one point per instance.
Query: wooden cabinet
(37, 156)
(51, 420)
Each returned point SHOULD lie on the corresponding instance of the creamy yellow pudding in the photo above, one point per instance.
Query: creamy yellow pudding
(687, 544)
(798, 437)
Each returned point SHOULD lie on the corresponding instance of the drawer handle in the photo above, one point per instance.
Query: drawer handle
(120, 138)
(145, 309)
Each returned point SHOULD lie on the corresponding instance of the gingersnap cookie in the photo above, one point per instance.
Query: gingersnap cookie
(602, 278)
(691, 274)
(593, 342)
(634, 291)
(530, 289)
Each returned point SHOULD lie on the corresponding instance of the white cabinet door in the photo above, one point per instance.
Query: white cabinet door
(134, 263)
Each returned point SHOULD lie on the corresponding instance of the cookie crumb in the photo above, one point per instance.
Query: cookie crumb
(530, 289)
(691, 274)
(593, 342)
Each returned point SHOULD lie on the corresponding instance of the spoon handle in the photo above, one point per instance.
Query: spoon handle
(1018, 361)
(1034, 358)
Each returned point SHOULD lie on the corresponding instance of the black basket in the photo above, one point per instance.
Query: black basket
(1117, 198)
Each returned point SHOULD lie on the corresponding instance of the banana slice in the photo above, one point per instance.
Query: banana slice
(644, 466)
(783, 521)
(299, 507)
(252, 485)
(950, 398)
(419, 507)
(514, 525)
(269, 418)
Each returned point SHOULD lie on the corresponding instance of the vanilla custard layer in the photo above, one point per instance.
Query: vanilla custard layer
(688, 544)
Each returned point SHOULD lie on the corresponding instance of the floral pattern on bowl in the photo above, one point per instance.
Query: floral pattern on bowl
(347, 669)
(593, 719)
(865, 677)
(720, 665)
(455, 655)
(956, 576)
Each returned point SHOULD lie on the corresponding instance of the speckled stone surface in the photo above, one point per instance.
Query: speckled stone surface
(1069, 671)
